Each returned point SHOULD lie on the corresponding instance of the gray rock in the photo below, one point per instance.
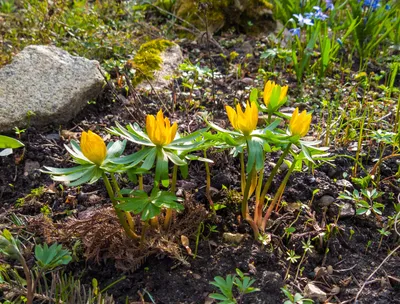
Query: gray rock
(235, 238)
(345, 184)
(48, 82)
(30, 167)
(313, 292)
(325, 200)
(271, 281)
(347, 210)
(171, 59)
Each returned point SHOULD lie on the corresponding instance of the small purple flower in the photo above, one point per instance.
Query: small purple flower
(319, 14)
(295, 31)
(303, 20)
(329, 5)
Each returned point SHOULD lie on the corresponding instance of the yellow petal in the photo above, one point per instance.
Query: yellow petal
(93, 147)
(300, 123)
(283, 93)
(268, 91)
(150, 126)
(231, 116)
(254, 115)
(159, 129)
(293, 118)
(173, 130)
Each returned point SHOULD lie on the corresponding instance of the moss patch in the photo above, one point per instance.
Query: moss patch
(148, 59)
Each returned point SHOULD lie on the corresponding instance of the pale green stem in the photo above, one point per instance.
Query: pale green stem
(168, 215)
(140, 178)
(208, 183)
(242, 173)
(120, 214)
(128, 216)
(257, 209)
(268, 184)
(245, 205)
(278, 194)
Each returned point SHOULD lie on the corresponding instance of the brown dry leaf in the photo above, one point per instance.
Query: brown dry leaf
(346, 282)
(71, 200)
(185, 243)
(68, 135)
(51, 188)
(335, 290)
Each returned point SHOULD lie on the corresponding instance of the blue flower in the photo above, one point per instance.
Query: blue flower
(295, 31)
(303, 20)
(319, 14)
(329, 5)
(374, 4)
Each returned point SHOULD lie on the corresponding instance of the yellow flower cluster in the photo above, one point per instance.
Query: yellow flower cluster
(159, 129)
(246, 121)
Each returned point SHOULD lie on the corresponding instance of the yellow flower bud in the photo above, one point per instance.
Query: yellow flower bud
(93, 147)
(269, 89)
(159, 129)
(300, 123)
(246, 121)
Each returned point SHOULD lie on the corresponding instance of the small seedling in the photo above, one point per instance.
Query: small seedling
(383, 233)
(292, 258)
(242, 283)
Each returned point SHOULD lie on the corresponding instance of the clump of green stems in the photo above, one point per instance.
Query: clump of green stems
(46, 260)
(258, 144)
(153, 155)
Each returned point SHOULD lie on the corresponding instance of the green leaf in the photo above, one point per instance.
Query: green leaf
(51, 257)
(91, 175)
(9, 142)
(115, 149)
(254, 95)
(218, 296)
(148, 206)
(149, 160)
(175, 159)
(255, 154)
(132, 159)
(184, 171)
(162, 168)
(62, 171)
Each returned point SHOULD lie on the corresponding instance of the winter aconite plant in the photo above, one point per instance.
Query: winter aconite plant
(160, 144)
(258, 143)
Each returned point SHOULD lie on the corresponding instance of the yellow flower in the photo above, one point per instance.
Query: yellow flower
(245, 122)
(159, 129)
(300, 123)
(269, 88)
(93, 147)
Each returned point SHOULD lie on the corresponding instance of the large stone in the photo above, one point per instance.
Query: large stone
(171, 59)
(48, 82)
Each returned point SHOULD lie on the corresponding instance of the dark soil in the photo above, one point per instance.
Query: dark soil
(168, 280)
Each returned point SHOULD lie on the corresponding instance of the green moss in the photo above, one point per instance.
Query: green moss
(267, 4)
(148, 60)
